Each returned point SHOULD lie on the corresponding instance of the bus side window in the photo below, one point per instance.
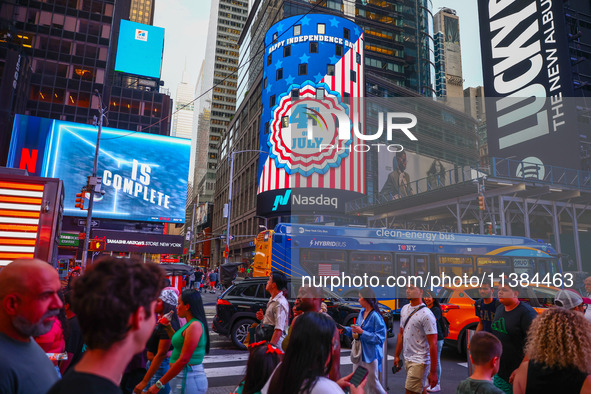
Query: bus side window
(524, 265)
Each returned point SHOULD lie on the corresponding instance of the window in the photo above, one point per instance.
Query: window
(346, 34)
(358, 58)
(295, 94)
(313, 47)
(302, 69)
(279, 74)
(285, 122)
(321, 28)
(287, 51)
(267, 128)
(272, 101)
(275, 36)
(339, 50)
(330, 69)
(353, 76)
(265, 83)
(320, 94)
(269, 59)
(297, 30)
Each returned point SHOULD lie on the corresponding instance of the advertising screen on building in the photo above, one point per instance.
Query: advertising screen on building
(313, 65)
(527, 80)
(139, 50)
(122, 241)
(144, 176)
(399, 172)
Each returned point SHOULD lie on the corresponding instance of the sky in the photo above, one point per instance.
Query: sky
(186, 24)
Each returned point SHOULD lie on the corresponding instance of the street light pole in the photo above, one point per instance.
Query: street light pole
(92, 181)
(231, 158)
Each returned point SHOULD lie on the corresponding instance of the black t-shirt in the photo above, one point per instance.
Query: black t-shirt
(198, 276)
(511, 329)
(84, 383)
(74, 342)
(438, 316)
(486, 312)
(160, 333)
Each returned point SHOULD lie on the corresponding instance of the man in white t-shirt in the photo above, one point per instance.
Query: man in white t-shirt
(417, 339)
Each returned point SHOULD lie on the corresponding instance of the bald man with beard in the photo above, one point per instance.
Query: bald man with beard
(29, 304)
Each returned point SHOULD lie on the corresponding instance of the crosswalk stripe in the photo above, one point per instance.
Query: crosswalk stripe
(239, 370)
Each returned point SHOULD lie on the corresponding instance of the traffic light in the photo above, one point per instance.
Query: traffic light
(80, 199)
(490, 232)
(481, 203)
(96, 245)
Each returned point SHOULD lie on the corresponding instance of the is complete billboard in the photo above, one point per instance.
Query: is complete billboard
(139, 50)
(144, 175)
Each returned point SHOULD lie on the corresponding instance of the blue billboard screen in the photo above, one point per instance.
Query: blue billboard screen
(139, 50)
(144, 176)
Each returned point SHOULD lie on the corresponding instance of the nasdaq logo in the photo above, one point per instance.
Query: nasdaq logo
(281, 200)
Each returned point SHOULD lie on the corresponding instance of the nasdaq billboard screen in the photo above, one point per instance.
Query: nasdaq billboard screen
(144, 175)
(139, 50)
(312, 63)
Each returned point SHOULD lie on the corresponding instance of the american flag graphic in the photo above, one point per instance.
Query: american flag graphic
(328, 270)
(350, 174)
(20, 209)
(176, 281)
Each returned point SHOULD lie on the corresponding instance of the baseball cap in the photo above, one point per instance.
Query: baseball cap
(567, 299)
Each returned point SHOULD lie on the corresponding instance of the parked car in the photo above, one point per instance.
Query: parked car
(457, 305)
(237, 307)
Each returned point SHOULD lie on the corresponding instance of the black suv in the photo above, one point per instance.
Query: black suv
(237, 307)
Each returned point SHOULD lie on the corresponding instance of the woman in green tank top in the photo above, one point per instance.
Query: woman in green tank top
(190, 344)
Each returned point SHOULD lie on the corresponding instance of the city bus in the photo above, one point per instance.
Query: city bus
(327, 251)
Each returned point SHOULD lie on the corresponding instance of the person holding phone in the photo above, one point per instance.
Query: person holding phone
(371, 331)
(308, 360)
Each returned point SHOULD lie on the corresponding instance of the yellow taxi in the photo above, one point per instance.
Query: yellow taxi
(457, 306)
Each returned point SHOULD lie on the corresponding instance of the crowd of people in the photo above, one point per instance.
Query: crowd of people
(120, 327)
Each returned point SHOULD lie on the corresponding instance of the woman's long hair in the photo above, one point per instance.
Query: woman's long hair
(560, 338)
(435, 300)
(192, 298)
(370, 297)
(308, 357)
(262, 362)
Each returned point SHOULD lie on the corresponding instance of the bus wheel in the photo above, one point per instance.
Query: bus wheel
(240, 331)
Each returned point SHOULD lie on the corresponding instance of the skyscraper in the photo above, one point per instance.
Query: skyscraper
(182, 125)
(448, 58)
(217, 105)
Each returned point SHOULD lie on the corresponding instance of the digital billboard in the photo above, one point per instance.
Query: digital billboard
(527, 80)
(314, 66)
(399, 172)
(144, 176)
(139, 50)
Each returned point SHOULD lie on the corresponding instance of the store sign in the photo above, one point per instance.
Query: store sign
(67, 239)
(121, 241)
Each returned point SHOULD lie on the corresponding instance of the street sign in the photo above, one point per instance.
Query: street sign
(231, 237)
(93, 223)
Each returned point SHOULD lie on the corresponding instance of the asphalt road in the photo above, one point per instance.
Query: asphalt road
(225, 365)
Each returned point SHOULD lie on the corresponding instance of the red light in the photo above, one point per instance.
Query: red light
(446, 307)
(223, 302)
